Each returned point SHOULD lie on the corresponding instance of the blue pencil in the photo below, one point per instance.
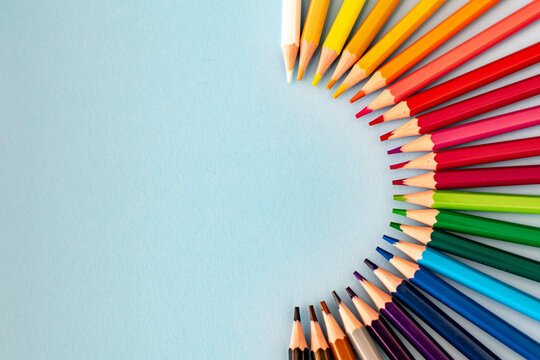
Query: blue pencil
(420, 305)
(470, 277)
(465, 306)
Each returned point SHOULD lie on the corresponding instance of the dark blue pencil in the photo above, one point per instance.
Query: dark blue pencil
(465, 306)
(420, 305)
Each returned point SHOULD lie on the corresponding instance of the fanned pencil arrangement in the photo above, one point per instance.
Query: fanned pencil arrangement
(387, 328)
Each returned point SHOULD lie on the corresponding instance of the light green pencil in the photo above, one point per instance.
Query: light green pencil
(474, 201)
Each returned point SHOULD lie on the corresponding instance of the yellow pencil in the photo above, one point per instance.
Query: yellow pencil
(389, 43)
(363, 37)
(339, 32)
(311, 33)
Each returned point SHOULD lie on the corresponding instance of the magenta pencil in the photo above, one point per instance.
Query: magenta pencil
(473, 131)
(468, 178)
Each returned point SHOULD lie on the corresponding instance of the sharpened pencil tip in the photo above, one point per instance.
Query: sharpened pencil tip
(370, 264)
(324, 307)
(399, 197)
(296, 313)
(390, 240)
(358, 276)
(395, 225)
(350, 292)
(395, 151)
(316, 79)
(336, 298)
(387, 255)
(358, 95)
(398, 166)
(363, 112)
(340, 91)
(312, 315)
(398, 182)
(376, 121)
(330, 84)
(289, 76)
(386, 136)
(401, 212)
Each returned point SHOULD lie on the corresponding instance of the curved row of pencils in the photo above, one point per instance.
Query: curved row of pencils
(372, 331)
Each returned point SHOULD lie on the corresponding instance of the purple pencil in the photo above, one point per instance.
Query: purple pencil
(380, 330)
(394, 313)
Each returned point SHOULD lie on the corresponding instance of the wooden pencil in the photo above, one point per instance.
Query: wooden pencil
(476, 130)
(467, 108)
(475, 225)
(470, 277)
(464, 305)
(320, 350)
(380, 330)
(472, 250)
(473, 155)
(462, 84)
(474, 201)
(339, 32)
(298, 349)
(431, 314)
(462, 53)
(339, 343)
(363, 37)
(424, 46)
(290, 33)
(356, 332)
(396, 315)
(389, 43)
(311, 33)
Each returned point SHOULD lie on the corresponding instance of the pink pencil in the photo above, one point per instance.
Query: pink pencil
(473, 131)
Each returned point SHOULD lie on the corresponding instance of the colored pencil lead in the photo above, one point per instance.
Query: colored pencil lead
(358, 276)
(296, 313)
(350, 292)
(324, 307)
(398, 182)
(398, 166)
(312, 315)
(401, 212)
(370, 264)
(376, 121)
(390, 240)
(386, 136)
(363, 112)
(336, 297)
(387, 255)
(395, 151)
(339, 91)
(358, 95)
(395, 225)
(399, 197)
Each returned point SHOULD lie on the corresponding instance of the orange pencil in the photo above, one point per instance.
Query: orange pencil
(339, 343)
(425, 45)
(363, 37)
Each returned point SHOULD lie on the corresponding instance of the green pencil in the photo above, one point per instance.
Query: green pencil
(475, 201)
(475, 225)
(473, 250)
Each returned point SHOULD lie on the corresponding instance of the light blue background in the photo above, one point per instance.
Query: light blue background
(166, 194)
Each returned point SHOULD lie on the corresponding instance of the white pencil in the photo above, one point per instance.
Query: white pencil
(290, 33)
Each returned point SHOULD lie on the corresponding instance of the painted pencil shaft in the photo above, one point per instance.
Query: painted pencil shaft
(290, 33)
(409, 57)
(448, 90)
(475, 225)
(465, 306)
(311, 33)
(363, 37)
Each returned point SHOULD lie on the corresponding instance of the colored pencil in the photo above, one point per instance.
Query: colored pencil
(396, 315)
(389, 43)
(425, 45)
(470, 277)
(462, 84)
(320, 350)
(467, 108)
(432, 315)
(380, 330)
(476, 130)
(290, 33)
(475, 225)
(363, 37)
(474, 201)
(311, 33)
(298, 349)
(339, 343)
(439, 67)
(467, 178)
(472, 250)
(356, 332)
(465, 306)
(339, 32)
(473, 155)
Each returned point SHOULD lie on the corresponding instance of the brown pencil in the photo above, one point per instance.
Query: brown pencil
(339, 343)
(320, 350)
(298, 349)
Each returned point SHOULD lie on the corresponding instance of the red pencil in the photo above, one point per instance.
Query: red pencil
(473, 131)
(467, 108)
(468, 178)
(462, 84)
(456, 57)
(473, 155)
